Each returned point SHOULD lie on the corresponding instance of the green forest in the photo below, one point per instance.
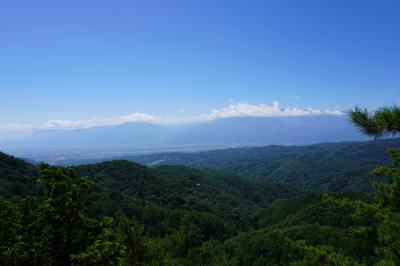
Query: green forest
(258, 210)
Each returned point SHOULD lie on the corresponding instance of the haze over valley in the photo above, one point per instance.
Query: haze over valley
(105, 142)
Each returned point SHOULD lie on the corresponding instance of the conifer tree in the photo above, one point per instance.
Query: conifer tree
(384, 121)
(384, 211)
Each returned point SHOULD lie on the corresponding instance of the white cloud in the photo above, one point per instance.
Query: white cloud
(333, 112)
(234, 109)
(263, 110)
(73, 124)
(16, 127)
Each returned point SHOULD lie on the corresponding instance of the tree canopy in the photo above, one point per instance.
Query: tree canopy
(384, 121)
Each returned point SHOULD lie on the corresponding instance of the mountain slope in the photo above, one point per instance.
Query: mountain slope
(159, 197)
(322, 167)
(174, 186)
(17, 177)
(186, 188)
(223, 216)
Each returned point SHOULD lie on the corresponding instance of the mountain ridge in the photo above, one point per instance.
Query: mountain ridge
(322, 167)
(224, 132)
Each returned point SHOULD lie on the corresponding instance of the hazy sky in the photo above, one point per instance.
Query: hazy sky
(78, 60)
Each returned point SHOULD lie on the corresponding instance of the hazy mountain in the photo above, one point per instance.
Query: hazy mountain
(129, 134)
(221, 132)
(278, 130)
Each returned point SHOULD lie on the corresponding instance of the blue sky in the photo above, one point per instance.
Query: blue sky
(77, 60)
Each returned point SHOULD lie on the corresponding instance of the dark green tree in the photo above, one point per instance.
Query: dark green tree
(106, 249)
(384, 121)
(183, 245)
(65, 229)
(384, 211)
(10, 244)
(322, 255)
(55, 229)
(132, 234)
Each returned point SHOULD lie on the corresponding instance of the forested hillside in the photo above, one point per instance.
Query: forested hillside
(125, 213)
(160, 199)
(17, 178)
(330, 167)
(224, 196)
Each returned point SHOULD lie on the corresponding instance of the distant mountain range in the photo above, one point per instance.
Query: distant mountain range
(297, 130)
(225, 132)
